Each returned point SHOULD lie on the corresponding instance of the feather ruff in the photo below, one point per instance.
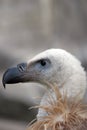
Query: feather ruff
(62, 114)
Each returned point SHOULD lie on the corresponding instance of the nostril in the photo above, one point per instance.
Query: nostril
(22, 67)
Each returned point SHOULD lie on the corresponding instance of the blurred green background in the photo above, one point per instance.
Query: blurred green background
(28, 27)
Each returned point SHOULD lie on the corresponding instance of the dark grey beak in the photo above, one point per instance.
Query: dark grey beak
(14, 75)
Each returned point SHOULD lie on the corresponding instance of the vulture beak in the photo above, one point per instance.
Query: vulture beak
(15, 74)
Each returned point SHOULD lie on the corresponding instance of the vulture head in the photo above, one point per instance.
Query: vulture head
(54, 67)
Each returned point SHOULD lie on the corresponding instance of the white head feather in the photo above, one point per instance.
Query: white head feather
(65, 71)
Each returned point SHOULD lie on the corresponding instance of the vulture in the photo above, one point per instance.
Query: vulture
(62, 106)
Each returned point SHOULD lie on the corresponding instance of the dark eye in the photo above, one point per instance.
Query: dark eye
(43, 62)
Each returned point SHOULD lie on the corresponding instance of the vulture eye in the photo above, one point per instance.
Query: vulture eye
(43, 62)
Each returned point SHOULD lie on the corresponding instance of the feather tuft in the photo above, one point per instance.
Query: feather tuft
(62, 114)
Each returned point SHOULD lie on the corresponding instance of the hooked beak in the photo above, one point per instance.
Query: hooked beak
(15, 74)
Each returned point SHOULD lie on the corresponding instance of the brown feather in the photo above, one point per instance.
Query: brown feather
(63, 114)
